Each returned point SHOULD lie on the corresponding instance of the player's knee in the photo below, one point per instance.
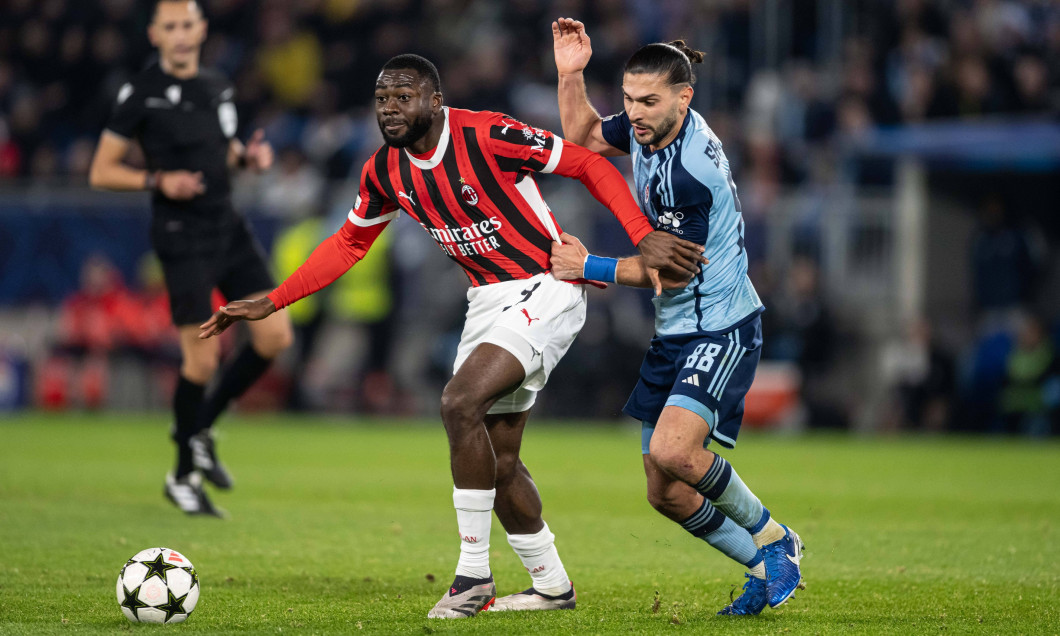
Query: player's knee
(285, 337)
(271, 344)
(459, 410)
(670, 458)
(199, 368)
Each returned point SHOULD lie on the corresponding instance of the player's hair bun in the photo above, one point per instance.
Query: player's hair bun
(673, 60)
(693, 55)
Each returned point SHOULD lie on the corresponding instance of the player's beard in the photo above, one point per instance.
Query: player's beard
(416, 128)
(664, 128)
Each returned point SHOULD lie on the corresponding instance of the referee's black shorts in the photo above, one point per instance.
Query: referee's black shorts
(197, 257)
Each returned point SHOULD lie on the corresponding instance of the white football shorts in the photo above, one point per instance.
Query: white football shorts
(535, 319)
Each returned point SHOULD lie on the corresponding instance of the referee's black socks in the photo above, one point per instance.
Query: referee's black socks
(187, 402)
(243, 371)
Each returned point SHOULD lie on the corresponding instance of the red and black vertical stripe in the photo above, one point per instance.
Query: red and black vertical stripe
(535, 242)
(381, 163)
(376, 203)
(451, 178)
(483, 270)
(382, 173)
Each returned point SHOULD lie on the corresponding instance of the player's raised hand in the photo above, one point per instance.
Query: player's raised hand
(571, 45)
(181, 185)
(568, 257)
(676, 256)
(233, 312)
(259, 154)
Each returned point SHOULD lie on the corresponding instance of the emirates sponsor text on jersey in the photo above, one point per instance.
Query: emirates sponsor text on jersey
(467, 240)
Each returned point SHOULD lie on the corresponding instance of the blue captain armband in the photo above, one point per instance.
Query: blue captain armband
(599, 268)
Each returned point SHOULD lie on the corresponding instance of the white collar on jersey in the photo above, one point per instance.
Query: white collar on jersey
(439, 150)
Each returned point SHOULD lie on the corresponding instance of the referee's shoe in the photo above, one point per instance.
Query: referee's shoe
(204, 458)
(188, 494)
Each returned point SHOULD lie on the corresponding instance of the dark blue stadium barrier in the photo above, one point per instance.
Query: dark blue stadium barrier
(980, 146)
(42, 249)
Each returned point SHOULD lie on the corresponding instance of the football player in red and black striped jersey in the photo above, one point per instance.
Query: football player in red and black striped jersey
(467, 178)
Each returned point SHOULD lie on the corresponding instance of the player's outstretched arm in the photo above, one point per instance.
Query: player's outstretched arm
(571, 260)
(233, 312)
(581, 123)
(331, 259)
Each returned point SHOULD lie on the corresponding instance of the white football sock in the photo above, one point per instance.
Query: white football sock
(773, 531)
(474, 514)
(759, 570)
(538, 554)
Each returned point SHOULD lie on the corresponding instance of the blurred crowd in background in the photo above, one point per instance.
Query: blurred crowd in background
(792, 87)
(305, 69)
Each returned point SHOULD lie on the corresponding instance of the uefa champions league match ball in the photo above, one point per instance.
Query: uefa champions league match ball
(158, 585)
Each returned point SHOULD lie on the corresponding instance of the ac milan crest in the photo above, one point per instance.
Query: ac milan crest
(469, 194)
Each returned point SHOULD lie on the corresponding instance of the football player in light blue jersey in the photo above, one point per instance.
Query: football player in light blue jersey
(708, 334)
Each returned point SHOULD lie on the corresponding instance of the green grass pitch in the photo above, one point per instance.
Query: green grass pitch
(346, 526)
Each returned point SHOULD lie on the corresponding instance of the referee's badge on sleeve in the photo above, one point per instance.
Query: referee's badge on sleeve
(125, 92)
(226, 113)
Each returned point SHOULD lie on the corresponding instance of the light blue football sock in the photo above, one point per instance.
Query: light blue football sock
(709, 524)
(724, 488)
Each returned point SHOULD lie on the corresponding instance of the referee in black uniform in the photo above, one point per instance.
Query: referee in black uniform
(185, 121)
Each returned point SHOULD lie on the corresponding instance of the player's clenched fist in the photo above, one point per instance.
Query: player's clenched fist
(568, 257)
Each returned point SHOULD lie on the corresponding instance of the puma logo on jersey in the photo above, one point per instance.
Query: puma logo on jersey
(402, 195)
(529, 320)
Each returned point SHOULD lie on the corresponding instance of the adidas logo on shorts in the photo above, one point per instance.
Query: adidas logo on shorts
(692, 379)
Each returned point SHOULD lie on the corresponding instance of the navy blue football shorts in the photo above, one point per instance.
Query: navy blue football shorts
(707, 373)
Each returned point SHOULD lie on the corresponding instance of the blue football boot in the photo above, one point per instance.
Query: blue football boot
(782, 566)
(753, 600)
